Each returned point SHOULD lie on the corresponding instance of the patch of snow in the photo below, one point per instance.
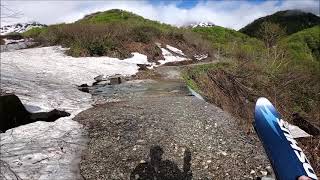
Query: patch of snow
(169, 57)
(47, 78)
(202, 24)
(11, 41)
(19, 27)
(43, 150)
(200, 57)
(176, 50)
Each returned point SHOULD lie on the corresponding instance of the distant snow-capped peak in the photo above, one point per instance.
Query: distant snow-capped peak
(19, 27)
(201, 24)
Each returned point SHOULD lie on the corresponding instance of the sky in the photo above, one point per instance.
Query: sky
(233, 14)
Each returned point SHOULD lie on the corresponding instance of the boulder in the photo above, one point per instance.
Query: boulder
(100, 78)
(84, 85)
(84, 88)
(116, 79)
(14, 114)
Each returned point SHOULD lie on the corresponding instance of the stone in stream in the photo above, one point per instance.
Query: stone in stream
(14, 114)
(84, 88)
(115, 80)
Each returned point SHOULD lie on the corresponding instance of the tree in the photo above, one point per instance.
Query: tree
(270, 33)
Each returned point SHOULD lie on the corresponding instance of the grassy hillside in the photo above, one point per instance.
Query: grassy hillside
(291, 80)
(231, 43)
(292, 20)
(304, 45)
(114, 15)
(120, 16)
(117, 33)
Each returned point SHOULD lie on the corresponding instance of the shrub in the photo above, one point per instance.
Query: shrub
(145, 33)
(34, 32)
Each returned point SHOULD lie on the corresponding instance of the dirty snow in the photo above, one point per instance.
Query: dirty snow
(173, 49)
(10, 41)
(45, 78)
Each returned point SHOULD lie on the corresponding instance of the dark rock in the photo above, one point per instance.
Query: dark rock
(100, 78)
(84, 85)
(115, 80)
(143, 67)
(84, 89)
(49, 116)
(14, 114)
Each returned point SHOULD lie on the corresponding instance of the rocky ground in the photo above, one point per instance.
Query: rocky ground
(136, 122)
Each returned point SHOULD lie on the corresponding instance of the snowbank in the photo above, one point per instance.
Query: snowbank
(45, 78)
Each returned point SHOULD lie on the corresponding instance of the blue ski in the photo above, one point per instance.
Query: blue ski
(287, 159)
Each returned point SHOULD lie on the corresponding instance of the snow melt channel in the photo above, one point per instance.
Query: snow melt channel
(46, 78)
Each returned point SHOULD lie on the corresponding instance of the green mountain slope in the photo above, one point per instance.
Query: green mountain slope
(230, 42)
(119, 16)
(292, 20)
(303, 47)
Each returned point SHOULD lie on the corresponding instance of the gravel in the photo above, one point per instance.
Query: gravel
(122, 133)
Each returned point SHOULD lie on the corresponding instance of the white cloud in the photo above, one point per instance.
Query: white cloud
(233, 14)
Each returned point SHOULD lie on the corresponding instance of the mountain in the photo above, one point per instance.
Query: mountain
(19, 27)
(112, 16)
(292, 20)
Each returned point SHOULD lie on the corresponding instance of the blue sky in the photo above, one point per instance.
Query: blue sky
(188, 4)
(233, 14)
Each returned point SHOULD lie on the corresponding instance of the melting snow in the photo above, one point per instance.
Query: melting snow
(169, 57)
(173, 49)
(46, 78)
(19, 28)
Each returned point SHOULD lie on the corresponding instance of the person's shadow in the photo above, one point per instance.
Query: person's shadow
(158, 169)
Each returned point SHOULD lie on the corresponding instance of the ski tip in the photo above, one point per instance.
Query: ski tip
(262, 101)
(265, 110)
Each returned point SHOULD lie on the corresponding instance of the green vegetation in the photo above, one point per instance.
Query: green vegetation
(288, 74)
(114, 15)
(230, 42)
(34, 32)
(116, 33)
(292, 20)
(304, 46)
(199, 71)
